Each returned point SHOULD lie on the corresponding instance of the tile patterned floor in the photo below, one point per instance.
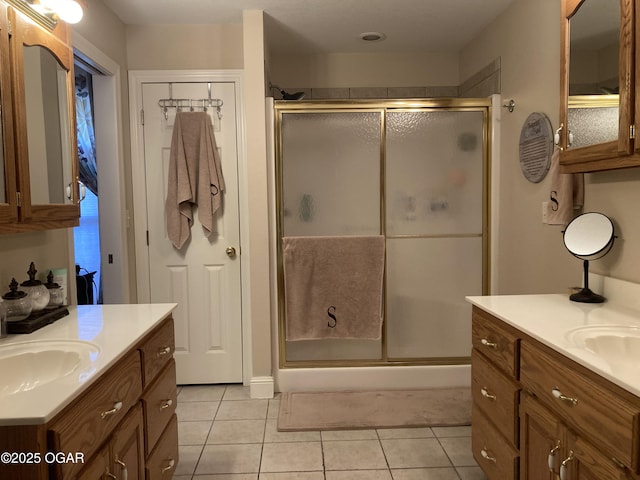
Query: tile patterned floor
(225, 435)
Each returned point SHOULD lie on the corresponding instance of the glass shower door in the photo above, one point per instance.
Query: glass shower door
(434, 228)
(330, 171)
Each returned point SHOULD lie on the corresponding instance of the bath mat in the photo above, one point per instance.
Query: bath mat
(374, 409)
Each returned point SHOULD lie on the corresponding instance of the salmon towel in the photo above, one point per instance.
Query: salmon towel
(567, 193)
(195, 176)
(333, 287)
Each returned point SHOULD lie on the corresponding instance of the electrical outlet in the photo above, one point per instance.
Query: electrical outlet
(545, 210)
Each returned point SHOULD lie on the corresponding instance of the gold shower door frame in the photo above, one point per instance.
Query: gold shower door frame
(382, 107)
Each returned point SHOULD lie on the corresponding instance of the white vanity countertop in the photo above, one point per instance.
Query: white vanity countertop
(113, 328)
(551, 319)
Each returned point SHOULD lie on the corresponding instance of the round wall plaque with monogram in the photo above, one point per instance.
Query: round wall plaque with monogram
(536, 147)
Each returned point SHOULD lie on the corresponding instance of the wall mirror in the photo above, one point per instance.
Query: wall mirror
(594, 81)
(589, 237)
(47, 113)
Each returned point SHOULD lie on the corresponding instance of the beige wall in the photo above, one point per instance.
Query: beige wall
(48, 250)
(179, 47)
(256, 148)
(364, 70)
(104, 31)
(531, 257)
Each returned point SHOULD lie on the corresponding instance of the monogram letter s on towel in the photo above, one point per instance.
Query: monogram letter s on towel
(333, 320)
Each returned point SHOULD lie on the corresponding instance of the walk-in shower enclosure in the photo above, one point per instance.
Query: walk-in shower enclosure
(415, 172)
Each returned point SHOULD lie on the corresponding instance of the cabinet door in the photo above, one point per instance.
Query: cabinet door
(44, 120)
(597, 85)
(97, 467)
(586, 462)
(127, 453)
(541, 441)
(8, 200)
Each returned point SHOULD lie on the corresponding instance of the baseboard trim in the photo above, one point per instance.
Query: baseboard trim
(261, 387)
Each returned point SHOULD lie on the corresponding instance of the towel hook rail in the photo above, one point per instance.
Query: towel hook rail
(191, 103)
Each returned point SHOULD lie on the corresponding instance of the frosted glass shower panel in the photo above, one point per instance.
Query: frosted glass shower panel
(331, 173)
(427, 280)
(434, 172)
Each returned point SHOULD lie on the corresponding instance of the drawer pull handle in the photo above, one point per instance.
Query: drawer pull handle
(168, 467)
(166, 404)
(489, 344)
(486, 456)
(123, 467)
(560, 396)
(485, 393)
(163, 351)
(564, 466)
(116, 407)
(551, 459)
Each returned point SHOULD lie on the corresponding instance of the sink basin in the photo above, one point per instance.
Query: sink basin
(618, 345)
(29, 365)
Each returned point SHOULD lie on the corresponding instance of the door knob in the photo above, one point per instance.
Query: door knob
(231, 252)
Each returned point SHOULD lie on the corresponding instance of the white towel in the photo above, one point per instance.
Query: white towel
(195, 177)
(333, 287)
(567, 193)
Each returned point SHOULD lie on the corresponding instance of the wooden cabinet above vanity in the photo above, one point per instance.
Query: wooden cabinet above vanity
(599, 108)
(38, 150)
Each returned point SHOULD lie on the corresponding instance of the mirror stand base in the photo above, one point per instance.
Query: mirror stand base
(586, 296)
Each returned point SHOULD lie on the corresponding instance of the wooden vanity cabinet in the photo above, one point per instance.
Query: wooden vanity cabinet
(562, 412)
(38, 124)
(495, 391)
(159, 401)
(123, 426)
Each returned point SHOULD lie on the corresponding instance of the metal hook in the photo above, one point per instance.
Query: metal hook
(511, 105)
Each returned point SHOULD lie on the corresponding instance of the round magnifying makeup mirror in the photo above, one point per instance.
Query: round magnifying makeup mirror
(589, 237)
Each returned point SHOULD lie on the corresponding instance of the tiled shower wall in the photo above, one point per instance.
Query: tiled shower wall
(482, 84)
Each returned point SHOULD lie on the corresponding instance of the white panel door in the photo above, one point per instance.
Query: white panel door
(202, 277)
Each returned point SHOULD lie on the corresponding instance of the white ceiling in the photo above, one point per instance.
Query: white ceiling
(332, 25)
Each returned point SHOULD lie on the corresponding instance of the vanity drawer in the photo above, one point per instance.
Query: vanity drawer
(497, 458)
(496, 341)
(86, 424)
(162, 463)
(496, 395)
(157, 351)
(159, 403)
(588, 405)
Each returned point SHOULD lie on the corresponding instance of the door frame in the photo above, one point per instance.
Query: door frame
(136, 79)
(114, 218)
